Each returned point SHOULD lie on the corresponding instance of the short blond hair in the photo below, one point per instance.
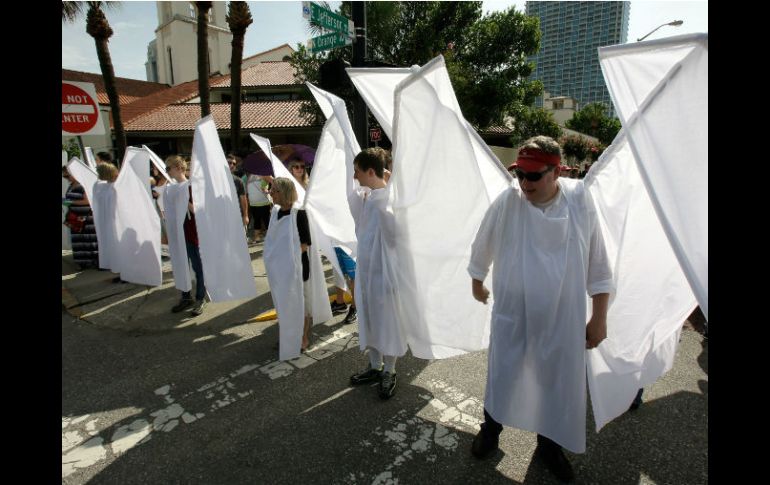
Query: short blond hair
(286, 188)
(107, 171)
(174, 161)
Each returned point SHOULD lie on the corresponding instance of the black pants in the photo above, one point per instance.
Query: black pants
(495, 428)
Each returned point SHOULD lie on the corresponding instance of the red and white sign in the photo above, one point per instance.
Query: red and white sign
(375, 134)
(79, 109)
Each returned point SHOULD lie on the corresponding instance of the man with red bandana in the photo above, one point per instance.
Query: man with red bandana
(543, 237)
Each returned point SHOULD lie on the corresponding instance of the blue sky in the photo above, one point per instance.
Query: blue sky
(280, 22)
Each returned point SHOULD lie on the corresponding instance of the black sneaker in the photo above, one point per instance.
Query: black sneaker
(554, 459)
(366, 375)
(352, 316)
(485, 443)
(338, 308)
(637, 401)
(387, 385)
(183, 303)
(198, 308)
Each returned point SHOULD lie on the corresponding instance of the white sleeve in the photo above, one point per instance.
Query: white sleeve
(483, 248)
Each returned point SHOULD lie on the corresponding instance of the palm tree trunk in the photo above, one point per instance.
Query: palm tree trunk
(235, 89)
(108, 73)
(203, 56)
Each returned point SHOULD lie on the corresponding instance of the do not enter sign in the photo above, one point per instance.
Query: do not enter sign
(79, 109)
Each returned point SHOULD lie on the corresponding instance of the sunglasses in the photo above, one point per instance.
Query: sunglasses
(532, 176)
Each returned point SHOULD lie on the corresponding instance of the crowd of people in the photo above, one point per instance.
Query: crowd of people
(536, 374)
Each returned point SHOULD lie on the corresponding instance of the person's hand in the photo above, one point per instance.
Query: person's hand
(480, 292)
(596, 331)
(245, 220)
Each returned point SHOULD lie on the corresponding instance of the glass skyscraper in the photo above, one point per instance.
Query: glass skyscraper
(567, 62)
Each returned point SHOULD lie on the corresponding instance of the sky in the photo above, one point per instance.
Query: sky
(281, 22)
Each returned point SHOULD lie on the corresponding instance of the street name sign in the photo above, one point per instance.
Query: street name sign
(328, 41)
(327, 19)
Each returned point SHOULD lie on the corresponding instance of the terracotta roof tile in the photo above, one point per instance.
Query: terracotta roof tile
(129, 90)
(272, 73)
(259, 115)
(269, 50)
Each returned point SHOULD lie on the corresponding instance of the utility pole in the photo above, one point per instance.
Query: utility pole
(361, 114)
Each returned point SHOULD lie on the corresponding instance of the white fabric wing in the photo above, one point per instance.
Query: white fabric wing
(660, 89)
(279, 169)
(435, 153)
(159, 164)
(377, 86)
(137, 222)
(90, 159)
(224, 253)
(652, 296)
(84, 175)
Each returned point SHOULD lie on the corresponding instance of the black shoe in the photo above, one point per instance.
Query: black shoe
(338, 308)
(183, 303)
(554, 459)
(637, 401)
(366, 375)
(352, 316)
(387, 385)
(198, 308)
(485, 443)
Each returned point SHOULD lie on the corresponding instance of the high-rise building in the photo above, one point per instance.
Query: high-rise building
(567, 62)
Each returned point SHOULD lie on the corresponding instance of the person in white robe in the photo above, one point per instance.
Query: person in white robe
(182, 224)
(379, 328)
(542, 236)
(104, 207)
(287, 264)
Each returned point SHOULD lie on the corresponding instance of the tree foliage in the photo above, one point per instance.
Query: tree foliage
(486, 55)
(531, 122)
(593, 120)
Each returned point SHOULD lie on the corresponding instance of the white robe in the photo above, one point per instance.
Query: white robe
(376, 295)
(105, 215)
(537, 371)
(175, 200)
(283, 264)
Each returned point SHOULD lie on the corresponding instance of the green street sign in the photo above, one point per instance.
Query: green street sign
(328, 41)
(327, 19)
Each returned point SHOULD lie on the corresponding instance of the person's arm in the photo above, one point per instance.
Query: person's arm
(244, 210)
(303, 227)
(596, 330)
(483, 250)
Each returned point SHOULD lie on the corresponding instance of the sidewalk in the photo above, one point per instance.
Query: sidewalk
(92, 296)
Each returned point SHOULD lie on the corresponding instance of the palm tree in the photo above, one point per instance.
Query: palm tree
(203, 56)
(239, 19)
(99, 28)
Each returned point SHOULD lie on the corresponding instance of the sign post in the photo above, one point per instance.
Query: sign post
(342, 28)
(375, 135)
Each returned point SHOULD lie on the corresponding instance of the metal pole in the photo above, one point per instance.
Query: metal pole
(82, 150)
(361, 114)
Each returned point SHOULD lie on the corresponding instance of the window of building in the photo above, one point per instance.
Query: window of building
(193, 11)
(171, 66)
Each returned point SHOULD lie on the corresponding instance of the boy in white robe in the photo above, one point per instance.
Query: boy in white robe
(378, 326)
(543, 237)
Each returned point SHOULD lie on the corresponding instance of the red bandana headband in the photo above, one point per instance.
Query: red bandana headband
(530, 156)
